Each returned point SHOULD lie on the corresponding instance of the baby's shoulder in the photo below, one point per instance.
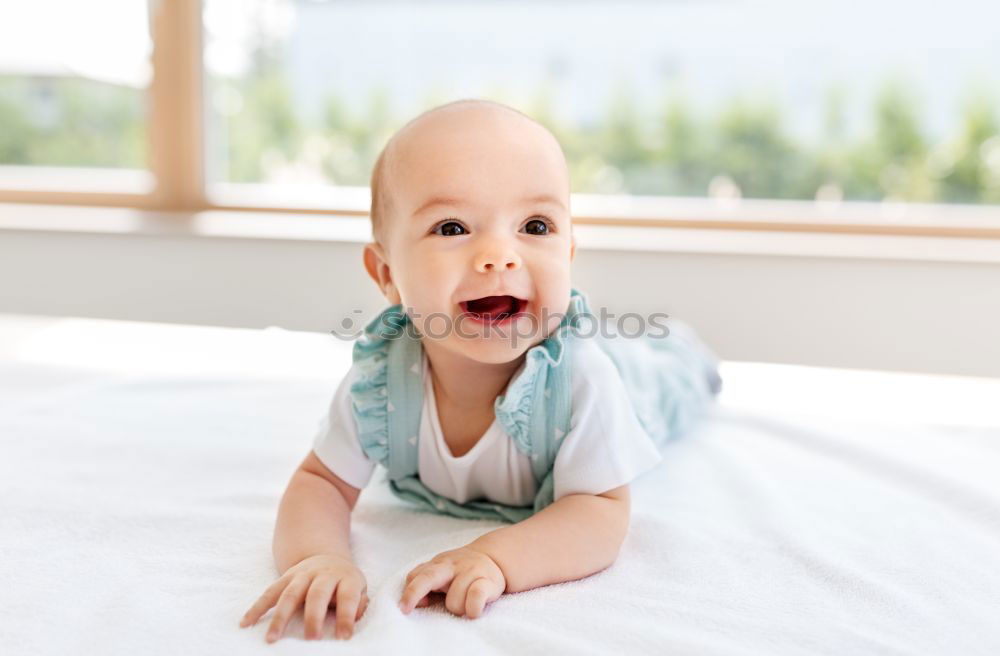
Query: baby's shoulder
(592, 367)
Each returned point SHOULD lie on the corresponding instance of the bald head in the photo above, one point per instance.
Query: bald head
(417, 140)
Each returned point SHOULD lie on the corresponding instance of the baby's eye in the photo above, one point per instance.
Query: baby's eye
(537, 226)
(449, 229)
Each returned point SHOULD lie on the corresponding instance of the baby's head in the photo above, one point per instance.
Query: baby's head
(470, 200)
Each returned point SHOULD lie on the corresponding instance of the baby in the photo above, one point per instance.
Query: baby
(472, 246)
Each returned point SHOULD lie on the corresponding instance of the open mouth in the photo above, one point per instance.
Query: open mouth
(494, 309)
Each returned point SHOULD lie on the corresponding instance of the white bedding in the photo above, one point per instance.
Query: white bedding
(817, 511)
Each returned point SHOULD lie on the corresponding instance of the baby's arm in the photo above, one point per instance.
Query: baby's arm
(312, 551)
(576, 536)
(314, 516)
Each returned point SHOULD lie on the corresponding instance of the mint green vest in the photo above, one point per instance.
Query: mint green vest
(670, 380)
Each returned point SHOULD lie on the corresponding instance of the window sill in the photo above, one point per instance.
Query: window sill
(751, 214)
(354, 229)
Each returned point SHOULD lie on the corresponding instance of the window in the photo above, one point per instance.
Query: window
(759, 114)
(73, 78)
(776, 100)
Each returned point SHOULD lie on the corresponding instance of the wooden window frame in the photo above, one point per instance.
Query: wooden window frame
(176, 182)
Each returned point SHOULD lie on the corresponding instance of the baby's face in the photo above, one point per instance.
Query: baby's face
(480, 208)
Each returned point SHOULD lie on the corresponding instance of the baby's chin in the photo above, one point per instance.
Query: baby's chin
(496, 345)
(490, 354)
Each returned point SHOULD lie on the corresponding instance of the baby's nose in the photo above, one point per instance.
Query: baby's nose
(498, 259)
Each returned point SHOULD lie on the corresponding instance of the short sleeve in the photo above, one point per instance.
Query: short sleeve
(606, 446)
(336, 443)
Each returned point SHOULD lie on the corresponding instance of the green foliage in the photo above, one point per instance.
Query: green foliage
(15, 146)
(892, 161)
(355, 142)
(969, 165)
(682, 148)
(675, 150)
(70, 122)
(750, 146)
(262, 130)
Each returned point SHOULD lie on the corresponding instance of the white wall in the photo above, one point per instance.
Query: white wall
(910, 313)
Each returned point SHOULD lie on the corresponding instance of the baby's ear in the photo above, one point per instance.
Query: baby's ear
(572, 247)
(377, 266)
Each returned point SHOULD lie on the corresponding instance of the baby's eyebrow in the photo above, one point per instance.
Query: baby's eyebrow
(436, 201)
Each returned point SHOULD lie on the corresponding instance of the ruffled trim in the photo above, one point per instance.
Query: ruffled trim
(370, 388)
(513, 408)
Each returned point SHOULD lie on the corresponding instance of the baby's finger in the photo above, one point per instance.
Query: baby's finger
(348, 599)
(481, 592)
(317, 603)
(362, 607)
(264, 602)
(418, 569)
(288, 603)
(431, 578)
(454, 601)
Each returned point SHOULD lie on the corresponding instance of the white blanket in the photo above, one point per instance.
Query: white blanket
(817, 511)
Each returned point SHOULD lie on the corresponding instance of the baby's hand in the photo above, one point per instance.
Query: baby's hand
(314, 579)
(471, 578)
